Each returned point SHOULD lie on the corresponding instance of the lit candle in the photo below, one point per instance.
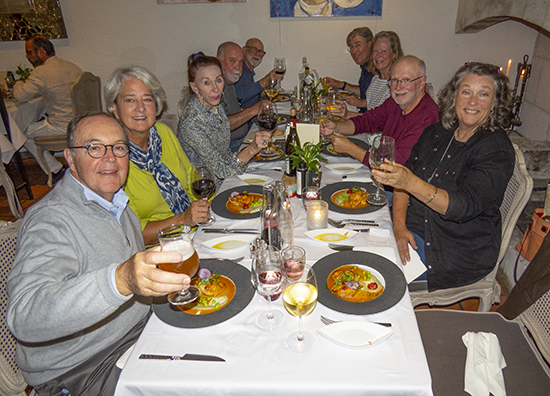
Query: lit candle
(317, 215)
(508, 68)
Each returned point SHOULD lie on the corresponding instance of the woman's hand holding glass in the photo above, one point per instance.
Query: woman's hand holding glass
(381, 150)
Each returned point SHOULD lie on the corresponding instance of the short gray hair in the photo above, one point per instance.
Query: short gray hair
(364, 32)
(75, 122)
(114, 84)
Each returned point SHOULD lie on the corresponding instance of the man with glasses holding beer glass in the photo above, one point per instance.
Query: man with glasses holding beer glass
(81, 284)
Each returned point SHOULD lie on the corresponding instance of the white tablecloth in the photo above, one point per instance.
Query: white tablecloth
(258, 361)
(21, 115)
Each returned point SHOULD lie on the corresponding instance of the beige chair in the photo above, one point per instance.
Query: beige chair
(86, 96)
(11, 380)
(487, 290)
(11, 194)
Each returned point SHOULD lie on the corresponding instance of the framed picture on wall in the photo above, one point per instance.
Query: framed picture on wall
(198, 1)
(325, 8)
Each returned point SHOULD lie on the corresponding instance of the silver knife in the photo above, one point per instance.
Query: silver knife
(187, 356)
(231, 231)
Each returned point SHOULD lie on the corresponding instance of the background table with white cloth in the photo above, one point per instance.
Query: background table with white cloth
(20, 115)
(257, 360)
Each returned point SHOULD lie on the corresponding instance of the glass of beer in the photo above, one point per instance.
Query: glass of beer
(177, 238)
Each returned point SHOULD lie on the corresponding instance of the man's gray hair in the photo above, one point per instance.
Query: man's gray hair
(114, 84)
(223, 46)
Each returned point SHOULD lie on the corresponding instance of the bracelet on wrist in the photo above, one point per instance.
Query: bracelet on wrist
(344, 86)
(243, 165)
(433, 196)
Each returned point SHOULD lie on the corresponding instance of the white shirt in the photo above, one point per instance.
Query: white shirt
(377, 92)
(52, 81)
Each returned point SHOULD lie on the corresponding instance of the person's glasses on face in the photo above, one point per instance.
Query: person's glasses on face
(97, 151)
(354, 47)
(403, 81)
(256, 51)
(30, 52)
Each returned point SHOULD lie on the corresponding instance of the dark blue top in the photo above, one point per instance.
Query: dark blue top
(364, 82)
(248, 91)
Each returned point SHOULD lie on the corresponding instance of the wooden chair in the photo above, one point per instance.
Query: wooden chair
(11, 193)
(18, 162)
(85, 96)
(516, 196)
(11, 380)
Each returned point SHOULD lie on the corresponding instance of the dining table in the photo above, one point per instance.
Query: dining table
(20, 116)
(257, 361)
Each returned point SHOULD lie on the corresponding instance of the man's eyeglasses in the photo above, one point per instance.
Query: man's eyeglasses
(255, 51)
(97, 151)
(403, 81)
(30, 52)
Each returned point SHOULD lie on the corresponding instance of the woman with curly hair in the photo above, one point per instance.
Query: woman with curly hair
(447, 196)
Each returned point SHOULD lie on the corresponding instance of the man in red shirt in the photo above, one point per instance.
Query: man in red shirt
(403, 116)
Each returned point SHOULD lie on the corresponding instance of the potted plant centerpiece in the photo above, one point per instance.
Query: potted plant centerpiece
(310, 154)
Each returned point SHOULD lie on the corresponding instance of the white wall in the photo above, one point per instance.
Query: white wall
(105, 34)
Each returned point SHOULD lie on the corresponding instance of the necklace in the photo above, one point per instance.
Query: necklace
(443, 156)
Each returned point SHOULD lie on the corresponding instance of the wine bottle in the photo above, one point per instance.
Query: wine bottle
(291, 138)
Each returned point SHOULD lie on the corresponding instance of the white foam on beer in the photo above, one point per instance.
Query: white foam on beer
(184, 248)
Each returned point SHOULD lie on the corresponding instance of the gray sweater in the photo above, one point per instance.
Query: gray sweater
(63, 307)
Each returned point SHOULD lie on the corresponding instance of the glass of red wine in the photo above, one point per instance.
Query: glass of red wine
(267, 119)
(203, 187)
(269, 284)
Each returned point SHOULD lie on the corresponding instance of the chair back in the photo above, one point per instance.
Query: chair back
(86, 94)
(516, 196)
(11, 193)
(5, 119)
(537, 319)
(11, 379)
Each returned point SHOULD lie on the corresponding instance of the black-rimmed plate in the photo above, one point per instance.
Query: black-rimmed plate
(219, 203)
(327, 191)
(393, 277)
(277, 156)
(361, 143)
(243, 295)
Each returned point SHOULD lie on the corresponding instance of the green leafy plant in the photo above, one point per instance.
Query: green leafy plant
(23, 73)
(316, 91)
(310, 154)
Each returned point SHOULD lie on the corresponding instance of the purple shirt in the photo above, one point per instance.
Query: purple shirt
(388, 118)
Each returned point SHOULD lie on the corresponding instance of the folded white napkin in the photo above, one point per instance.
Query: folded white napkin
(415, 267)
(484, 364)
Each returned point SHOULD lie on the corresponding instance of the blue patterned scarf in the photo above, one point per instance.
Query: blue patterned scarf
(169, 185)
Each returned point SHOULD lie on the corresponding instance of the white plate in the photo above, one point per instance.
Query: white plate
(331, 235)
(345, 168)
(251, 178)
(229, 242)
(356, 334)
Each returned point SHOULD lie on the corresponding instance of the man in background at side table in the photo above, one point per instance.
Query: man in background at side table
(248, 91)
(52, 79)
(81, 284)
(231, 58)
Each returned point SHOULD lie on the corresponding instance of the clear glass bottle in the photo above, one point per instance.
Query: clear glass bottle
(306, 112)
(286, 219)
(269, 217)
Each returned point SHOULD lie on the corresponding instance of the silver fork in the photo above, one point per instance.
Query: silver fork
(327, 321)
(343, 223)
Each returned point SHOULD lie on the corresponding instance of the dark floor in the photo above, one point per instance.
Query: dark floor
(38, 180)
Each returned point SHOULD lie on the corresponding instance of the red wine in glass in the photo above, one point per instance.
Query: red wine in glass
(203, 187)
(267, 122)
(270, 284)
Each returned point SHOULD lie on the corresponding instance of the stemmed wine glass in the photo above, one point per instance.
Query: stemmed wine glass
(382, 148)
(268, 272)
(267, 119)
(299, 298)
(177, 238)
(203, 187)
(272, 88)
(280, 66)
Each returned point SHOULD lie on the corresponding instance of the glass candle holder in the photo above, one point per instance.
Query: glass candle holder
(311, 193)
(317, 215)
